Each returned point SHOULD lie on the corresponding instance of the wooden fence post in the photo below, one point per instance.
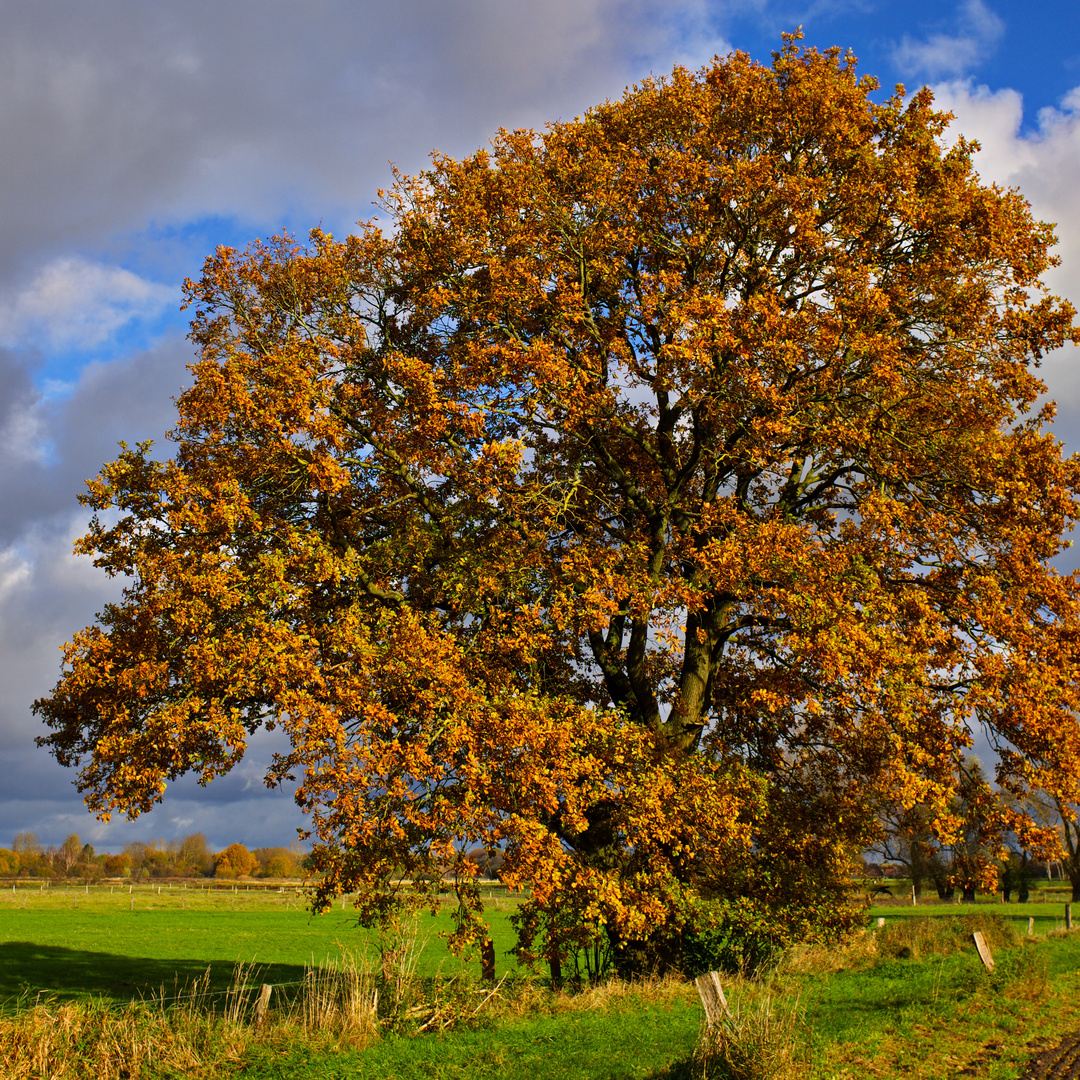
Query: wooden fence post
(984, 950)
(712, 997)
(1068, 916)
(262, 1004)
(1031, 925)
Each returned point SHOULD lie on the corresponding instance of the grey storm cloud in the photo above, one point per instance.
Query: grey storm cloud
(118, 112)
(121, 119)
(54, 445)
(37, 796)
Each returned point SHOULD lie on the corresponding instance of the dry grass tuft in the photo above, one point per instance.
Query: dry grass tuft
(856, 954)
(338, 1003)
(195, 1033)
(758, 1041)
(916, 938)
(903, 939)
(94, 1041)
(528, 998)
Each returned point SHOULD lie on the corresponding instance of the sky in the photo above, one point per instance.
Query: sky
(138, 137)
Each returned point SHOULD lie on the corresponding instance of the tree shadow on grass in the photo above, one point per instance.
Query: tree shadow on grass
(29, 970)
(684, 1069)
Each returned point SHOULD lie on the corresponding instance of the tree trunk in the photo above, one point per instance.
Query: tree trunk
(1074, 881)
(946, 890)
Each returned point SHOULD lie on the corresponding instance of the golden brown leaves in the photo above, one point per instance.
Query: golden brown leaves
(656, 501)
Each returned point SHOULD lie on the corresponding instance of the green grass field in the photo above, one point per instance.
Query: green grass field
(877, 1008)
(74, 942)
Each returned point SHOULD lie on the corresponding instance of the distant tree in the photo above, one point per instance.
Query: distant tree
(234, 861)
(160, 863)
(136, 851)
(906, 839)
(978, 828)
(277, 862)
(963, 844)
(118, 865)
(67, 855)
(193, 857)
(488, 863)
(1068, 826)
(149, 858)
(88, 872)
(32, 861)
(25, 842)
(1023, 853)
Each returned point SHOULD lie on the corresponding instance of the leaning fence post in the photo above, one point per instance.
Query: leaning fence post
(712, 997)
(262, 1004)
(984, 950)
(1031, 925)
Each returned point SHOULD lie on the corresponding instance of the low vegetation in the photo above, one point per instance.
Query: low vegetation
(909, 999)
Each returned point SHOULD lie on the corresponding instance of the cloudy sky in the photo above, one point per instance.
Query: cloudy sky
(138, 136)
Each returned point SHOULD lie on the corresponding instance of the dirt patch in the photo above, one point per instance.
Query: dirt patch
(1060, 1062)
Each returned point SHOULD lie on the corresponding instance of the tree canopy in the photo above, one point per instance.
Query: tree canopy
(651, 499)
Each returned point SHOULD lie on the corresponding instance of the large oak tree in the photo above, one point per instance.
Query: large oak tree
(653, 499)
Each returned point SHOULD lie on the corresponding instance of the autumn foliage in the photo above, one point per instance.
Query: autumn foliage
(653, 500)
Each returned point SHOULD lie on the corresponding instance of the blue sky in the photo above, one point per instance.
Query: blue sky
(138, 137)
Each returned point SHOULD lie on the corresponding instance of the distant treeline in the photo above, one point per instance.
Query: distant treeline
(188, 857)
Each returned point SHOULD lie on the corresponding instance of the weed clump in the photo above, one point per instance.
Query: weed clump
(96, 1041)
(757, 1040)
(913, 939)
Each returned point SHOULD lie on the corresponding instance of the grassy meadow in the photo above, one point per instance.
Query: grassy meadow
(103, 982)
(106, 941)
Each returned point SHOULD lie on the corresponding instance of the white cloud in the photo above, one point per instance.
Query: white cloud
(979, 31)
(74, 302)
(1043, 164)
